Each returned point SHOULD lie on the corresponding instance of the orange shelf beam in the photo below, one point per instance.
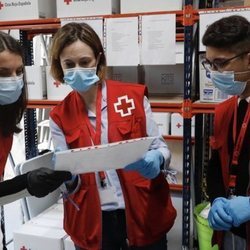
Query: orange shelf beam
(203, 108)
(176, 187)
(32, 104)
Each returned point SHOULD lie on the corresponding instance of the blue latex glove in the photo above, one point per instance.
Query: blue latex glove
(218, 218)
(239, 209)
(149, 165)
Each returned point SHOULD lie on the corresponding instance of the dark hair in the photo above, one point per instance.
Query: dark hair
(69, 34)
(11, 114)
(231, 33)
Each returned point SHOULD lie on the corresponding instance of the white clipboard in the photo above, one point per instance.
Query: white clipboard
(103, 157)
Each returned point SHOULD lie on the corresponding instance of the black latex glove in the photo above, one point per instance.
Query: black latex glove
(43, 181)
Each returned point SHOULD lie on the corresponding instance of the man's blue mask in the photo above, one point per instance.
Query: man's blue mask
(226, 83)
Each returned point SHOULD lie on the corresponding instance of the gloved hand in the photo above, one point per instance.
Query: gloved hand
(149, 165)
(239, 209)
(218, 218)
(43, 181)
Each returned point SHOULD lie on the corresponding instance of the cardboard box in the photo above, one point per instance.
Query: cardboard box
(230, 3)
(135, 6)
(30, 236)
(162, 119)
(69, 8)
(164, 79)
(51, 217)
(55, 90)
(177, 125)
(44, 231)
(68, 244)
(24, 10)
(208, 92)
(36, 82)
(123, 73)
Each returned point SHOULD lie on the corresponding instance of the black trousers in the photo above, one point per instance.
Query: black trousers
(114, 235)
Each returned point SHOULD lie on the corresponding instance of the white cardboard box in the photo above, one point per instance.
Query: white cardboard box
(208, 92)
(135, 6)
(69, 8)
(36, 82)
(162, 119)
(44, 231)
(68, 244)
(177, 125)
(55, 90)
(51, 217)
(165, 79)
(24, 10)
(36, 237)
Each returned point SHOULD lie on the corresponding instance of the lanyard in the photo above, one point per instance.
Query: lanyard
(238, 143)
(95, 134)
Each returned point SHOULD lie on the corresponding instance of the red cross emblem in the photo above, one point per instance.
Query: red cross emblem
(124, 106)
(57, 84)
(178, 125)
(1, 5)
(67, 1)
(23, 248)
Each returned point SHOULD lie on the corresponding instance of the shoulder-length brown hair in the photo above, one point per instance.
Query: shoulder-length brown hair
(69, 34)
(11, 114)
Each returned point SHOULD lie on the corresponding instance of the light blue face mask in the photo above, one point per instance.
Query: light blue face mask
(10, 89)
(80, 79)
(225, 82)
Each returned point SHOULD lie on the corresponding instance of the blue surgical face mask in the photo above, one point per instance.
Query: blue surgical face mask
(80, 79)
(10, 89)
(226, 83)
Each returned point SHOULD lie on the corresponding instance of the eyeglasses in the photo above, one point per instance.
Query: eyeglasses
(219, 64)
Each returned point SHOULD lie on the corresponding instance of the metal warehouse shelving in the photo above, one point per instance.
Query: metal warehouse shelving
(184, 105)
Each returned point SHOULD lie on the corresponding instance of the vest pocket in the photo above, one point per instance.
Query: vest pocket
(128, 129)
(78, 136)
(72, 135)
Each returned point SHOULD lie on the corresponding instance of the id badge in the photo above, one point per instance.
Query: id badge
(108, 196)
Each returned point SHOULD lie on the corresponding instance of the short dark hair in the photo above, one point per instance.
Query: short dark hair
(68, 34)
(231, 33)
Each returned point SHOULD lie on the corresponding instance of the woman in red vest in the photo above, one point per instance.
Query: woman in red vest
(125, 209)
(12, 105)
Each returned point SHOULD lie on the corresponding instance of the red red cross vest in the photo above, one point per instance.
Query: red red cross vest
(149, 210)
(223, 115)
(5, 147)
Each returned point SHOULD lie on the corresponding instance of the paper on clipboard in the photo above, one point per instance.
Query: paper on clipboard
(103, 157)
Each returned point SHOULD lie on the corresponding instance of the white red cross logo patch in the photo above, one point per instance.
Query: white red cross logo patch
(124, 106)
(67, 1)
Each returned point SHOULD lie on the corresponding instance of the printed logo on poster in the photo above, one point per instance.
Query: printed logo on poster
(14, 4)
(24, 248)
(70, 1)
(57, 84)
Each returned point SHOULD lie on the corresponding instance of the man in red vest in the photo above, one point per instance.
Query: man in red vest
(129, 208)
(227, 63)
